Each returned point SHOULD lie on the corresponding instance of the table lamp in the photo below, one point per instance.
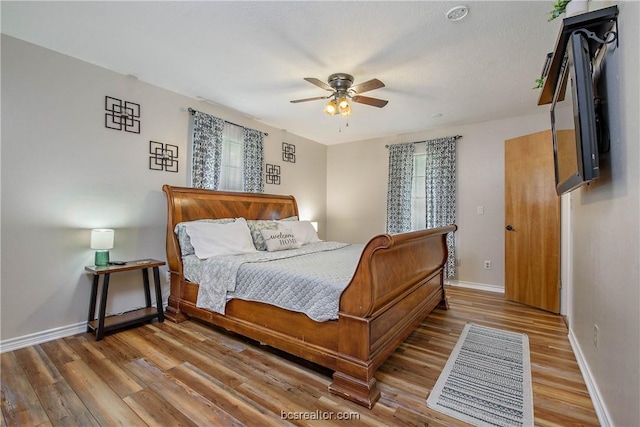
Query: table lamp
(102, 241)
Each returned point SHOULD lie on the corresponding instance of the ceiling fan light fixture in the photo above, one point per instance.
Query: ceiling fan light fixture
(343, 92)
(343, 106)
(331, 108)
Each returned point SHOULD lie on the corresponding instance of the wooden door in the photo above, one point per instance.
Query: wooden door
(532, 229)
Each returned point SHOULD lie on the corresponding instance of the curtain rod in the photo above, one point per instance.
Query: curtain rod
(192, 111)
(420, 142)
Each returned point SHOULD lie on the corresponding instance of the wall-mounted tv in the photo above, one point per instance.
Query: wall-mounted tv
(575, 137)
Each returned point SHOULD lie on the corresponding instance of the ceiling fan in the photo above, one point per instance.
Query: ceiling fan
(342, 90)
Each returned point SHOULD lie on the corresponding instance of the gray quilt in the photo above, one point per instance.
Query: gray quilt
(309, 280)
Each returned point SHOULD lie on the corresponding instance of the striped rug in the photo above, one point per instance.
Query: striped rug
(487, 379)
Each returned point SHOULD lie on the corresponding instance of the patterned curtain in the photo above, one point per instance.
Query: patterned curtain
(207, 150)
(440, 183)
(399, 189)
(253, 161)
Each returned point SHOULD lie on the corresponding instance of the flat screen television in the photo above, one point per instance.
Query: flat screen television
(575, 137)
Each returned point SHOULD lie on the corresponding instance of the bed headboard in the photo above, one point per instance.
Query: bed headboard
(190, 204)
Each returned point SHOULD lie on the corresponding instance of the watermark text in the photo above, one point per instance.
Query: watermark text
(319, 415)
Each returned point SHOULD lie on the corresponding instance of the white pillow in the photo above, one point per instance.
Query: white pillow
(277, 240)
(303, 230)
(186, 248)
(211, 239)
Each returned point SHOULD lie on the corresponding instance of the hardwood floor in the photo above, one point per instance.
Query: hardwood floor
(163, 374)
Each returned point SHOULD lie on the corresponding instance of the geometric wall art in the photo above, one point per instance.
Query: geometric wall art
(164, 157)
(272, 174)
(288, 152)
(121, 115)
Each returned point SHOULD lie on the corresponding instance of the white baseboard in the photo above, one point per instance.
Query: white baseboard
(478, 286)
(601, 410)
(45, 336)
(41, 337)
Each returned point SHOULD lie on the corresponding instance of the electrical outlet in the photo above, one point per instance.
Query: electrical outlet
(457, 262)
(167, 276)
(487, 265)
(596, 330)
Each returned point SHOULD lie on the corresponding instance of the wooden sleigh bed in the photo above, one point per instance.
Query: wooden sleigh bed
(397, 283)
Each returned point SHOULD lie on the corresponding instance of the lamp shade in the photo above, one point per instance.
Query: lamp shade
(101, 238)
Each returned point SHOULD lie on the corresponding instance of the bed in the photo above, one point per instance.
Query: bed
(397, 282)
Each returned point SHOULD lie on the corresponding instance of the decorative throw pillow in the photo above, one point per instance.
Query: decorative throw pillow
(257, 225)
(303, 230)
(211, 239)
(186, 248)
(277, 240)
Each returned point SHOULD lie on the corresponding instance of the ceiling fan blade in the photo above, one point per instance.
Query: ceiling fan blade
(367, 86)
(369, 101)
(319, 83)
(315, 98)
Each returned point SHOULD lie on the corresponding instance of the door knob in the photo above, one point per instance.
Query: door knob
(510, 228)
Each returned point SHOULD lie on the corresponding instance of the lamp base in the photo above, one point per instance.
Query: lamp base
(102, 258)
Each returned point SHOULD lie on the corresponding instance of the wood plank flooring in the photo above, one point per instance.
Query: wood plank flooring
(163, 374)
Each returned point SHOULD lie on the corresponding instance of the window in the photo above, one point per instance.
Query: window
(225, 156)
(418, 193)
(232, 159)
(426, 198)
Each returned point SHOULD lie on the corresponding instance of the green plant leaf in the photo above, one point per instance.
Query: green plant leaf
(558, 9)
(539, 83)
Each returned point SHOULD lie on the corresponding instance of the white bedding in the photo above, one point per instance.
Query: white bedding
(309, 279)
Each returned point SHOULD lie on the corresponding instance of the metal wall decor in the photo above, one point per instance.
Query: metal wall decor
(163, 157)
(288, 153)
(272, 175)
(121, 115)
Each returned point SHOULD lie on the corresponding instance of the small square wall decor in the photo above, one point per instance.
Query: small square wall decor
(288, 153)
(163, 157)
(121, 115)
(272, 174)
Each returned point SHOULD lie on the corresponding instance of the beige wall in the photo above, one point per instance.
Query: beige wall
(306, 178)
(605, 218)
(357, 190)
(64, 173)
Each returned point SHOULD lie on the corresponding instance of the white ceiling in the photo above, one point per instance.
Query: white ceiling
(251, 56)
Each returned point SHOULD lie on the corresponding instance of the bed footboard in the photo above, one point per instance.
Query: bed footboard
(398, 282)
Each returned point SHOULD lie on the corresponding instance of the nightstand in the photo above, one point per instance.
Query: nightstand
(145, 314)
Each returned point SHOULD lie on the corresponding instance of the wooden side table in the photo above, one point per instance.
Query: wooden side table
(102, 325)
